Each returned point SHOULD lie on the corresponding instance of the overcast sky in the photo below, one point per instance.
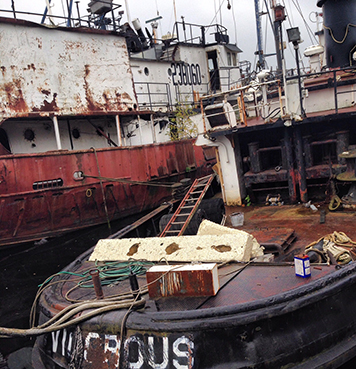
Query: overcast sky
(240, 19)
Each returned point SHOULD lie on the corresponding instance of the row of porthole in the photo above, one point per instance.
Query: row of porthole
(29, 134)
(51, 183)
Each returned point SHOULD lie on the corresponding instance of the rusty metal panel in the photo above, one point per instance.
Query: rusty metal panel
(47, 71)
(186, 280)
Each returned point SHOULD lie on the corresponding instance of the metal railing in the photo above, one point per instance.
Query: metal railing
(109, 20)
(267, 101)
(335, 79)
(197, 34)
(164, 98)
(241, 107)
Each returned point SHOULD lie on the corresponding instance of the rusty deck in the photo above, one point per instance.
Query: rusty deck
(274, 221)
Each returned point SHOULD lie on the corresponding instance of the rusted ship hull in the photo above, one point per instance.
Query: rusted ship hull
(46, 194)
(263, 318)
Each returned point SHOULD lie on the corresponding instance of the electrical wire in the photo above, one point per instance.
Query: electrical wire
(309, 31)
(64, 318)
(234, 20)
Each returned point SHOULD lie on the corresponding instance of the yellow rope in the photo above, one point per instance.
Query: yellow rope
(345, 36)
(335, 202)
(338, 238)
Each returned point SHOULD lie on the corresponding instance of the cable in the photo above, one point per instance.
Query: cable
(310, 32)
(14, 332)
(102, 190)
(234, 20)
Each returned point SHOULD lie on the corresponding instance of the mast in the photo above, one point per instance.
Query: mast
(261, 59)
(175, 11)
(127, 11)
(70, 7)
(279, 17)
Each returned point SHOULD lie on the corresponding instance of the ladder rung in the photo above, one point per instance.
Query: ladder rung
(199, 188)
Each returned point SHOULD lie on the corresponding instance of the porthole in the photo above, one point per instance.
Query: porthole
(48, 184)
(29, 134)
(75, 133)
(170, 72)
(146, 71)
(78, 176)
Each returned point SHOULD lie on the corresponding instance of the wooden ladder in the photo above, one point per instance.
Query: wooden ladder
(188, 207)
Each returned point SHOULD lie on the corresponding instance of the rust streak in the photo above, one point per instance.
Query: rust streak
(92, 105)
(48, 106)
(15, 97)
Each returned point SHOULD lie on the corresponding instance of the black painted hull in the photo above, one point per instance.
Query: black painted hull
(311, 326)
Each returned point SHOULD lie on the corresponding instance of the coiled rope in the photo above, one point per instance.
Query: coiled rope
(338, 238)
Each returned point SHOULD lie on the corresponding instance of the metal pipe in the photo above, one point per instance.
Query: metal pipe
(69, 7)
(290, 165)
(48, 2)
(301, 166)
(118, 129)
(56, 131)
(70, 135)
(335, 92)
(259, 35)
(140, 128)
(153, 129)
(202, 114)
(13, 8)
(77, 4)
(302, 112)
(127, 11)
(94, 273)
(134, 284)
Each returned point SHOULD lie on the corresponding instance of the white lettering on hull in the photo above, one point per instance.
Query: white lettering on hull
(140, 351)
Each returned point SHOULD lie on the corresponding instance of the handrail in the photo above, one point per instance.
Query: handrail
(275, 103)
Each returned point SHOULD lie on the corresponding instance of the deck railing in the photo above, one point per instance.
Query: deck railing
(264, 102)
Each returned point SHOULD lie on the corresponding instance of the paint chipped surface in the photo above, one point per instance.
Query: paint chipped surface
(186, 280)
(53, 71)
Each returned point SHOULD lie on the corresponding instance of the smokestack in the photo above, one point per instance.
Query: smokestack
(137, 26)
(340, 35)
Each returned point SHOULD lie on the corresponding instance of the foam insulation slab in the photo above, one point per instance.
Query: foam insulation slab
(206, 248)
(210, 228)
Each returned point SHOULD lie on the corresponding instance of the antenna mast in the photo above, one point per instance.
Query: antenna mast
(175, 11)
(259, 52)
(279, 17)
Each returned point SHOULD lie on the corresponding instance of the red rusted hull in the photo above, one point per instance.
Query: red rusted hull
(29, 212)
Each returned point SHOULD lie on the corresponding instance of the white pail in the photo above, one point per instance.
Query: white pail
(237, 219)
